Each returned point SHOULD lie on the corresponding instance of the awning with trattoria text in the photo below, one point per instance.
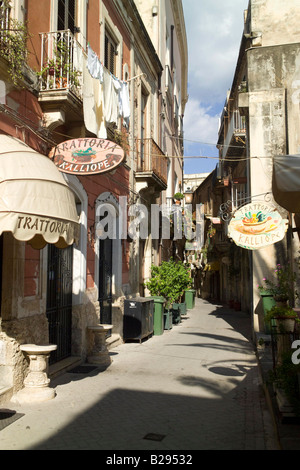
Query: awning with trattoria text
(36, 204)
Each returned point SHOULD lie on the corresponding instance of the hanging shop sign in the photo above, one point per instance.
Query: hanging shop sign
(87, 156)
(257, 225)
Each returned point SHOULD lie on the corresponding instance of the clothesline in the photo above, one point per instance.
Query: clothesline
(95, 58)
(137, 76)
(105, 97)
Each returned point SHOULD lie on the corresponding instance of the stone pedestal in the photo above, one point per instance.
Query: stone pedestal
(36, 384)
(98, 352)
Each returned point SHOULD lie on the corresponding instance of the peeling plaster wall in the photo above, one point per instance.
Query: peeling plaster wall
(274, 127)
(276, 20)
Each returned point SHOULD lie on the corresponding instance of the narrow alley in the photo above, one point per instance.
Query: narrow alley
(196, 387)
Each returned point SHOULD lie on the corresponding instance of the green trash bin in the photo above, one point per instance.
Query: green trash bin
(268, 302)
(182, 308)
(168, 319)
(176, 314)
(190, 298)
(158, 315)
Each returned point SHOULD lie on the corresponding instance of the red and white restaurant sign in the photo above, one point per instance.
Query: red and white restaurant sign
(87, 156)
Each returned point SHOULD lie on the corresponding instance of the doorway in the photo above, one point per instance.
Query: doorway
(105, 280)
(59, 300)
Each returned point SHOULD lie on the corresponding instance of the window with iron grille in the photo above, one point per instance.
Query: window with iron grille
(66, 15)
(110, 53)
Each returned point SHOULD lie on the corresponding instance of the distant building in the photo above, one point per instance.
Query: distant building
(192, 181)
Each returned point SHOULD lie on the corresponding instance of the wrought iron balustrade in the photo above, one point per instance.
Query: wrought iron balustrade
(61, 62)
(150, 158)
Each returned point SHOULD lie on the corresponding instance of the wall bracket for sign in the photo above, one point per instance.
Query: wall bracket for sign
(87, 156)
(227, 208)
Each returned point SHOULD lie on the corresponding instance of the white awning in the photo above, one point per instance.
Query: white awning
(36, 204)
(286, 182)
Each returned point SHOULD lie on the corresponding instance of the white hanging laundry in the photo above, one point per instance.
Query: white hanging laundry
(124, 101)
(94, 65)
(78, 57)
(111, 97)
(93, 104)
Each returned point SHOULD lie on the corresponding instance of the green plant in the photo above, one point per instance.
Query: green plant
(282, 287)
(169, 280)
(13, 43)
(60, 66)
(178, 196)
(285, 377)
(155, 284)
(280, 312)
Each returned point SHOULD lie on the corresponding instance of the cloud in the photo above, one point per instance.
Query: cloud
(214, 32)
(199, 125)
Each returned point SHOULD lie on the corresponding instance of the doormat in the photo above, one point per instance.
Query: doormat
(82, 369)
(8, 417)
(154, 437)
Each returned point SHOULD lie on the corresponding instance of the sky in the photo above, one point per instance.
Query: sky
(214, 31)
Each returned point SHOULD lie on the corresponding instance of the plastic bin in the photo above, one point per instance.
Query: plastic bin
(158, 315)
(190, 298)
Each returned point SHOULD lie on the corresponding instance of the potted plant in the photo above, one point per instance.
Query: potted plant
(281, 286)
(284, 317)
(180, 280)
(178, 197)
(170, 280)
(285, 381)
(155, 287)
(60, 68)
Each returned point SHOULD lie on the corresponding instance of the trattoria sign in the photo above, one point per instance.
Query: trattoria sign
(257, 225)
(87, 156)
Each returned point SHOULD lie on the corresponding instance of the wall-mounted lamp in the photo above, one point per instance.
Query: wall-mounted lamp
(188, 197)
(155, 10)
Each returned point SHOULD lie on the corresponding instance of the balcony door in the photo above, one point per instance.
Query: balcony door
(66, 12)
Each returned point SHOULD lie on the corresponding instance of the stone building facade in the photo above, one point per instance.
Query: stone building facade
(260, 122)
(54, 294)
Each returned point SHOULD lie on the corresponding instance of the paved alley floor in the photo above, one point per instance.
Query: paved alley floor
(196, 387)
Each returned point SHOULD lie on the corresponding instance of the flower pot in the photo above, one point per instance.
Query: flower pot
(285, 324)
(281, 303)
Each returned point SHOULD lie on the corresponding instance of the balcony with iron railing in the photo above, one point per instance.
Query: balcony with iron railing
(60, 76)
(234, 141)
(152, 164)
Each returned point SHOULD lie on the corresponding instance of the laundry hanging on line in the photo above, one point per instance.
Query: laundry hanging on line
(115, 91)
(94, 65)
(93, 104)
